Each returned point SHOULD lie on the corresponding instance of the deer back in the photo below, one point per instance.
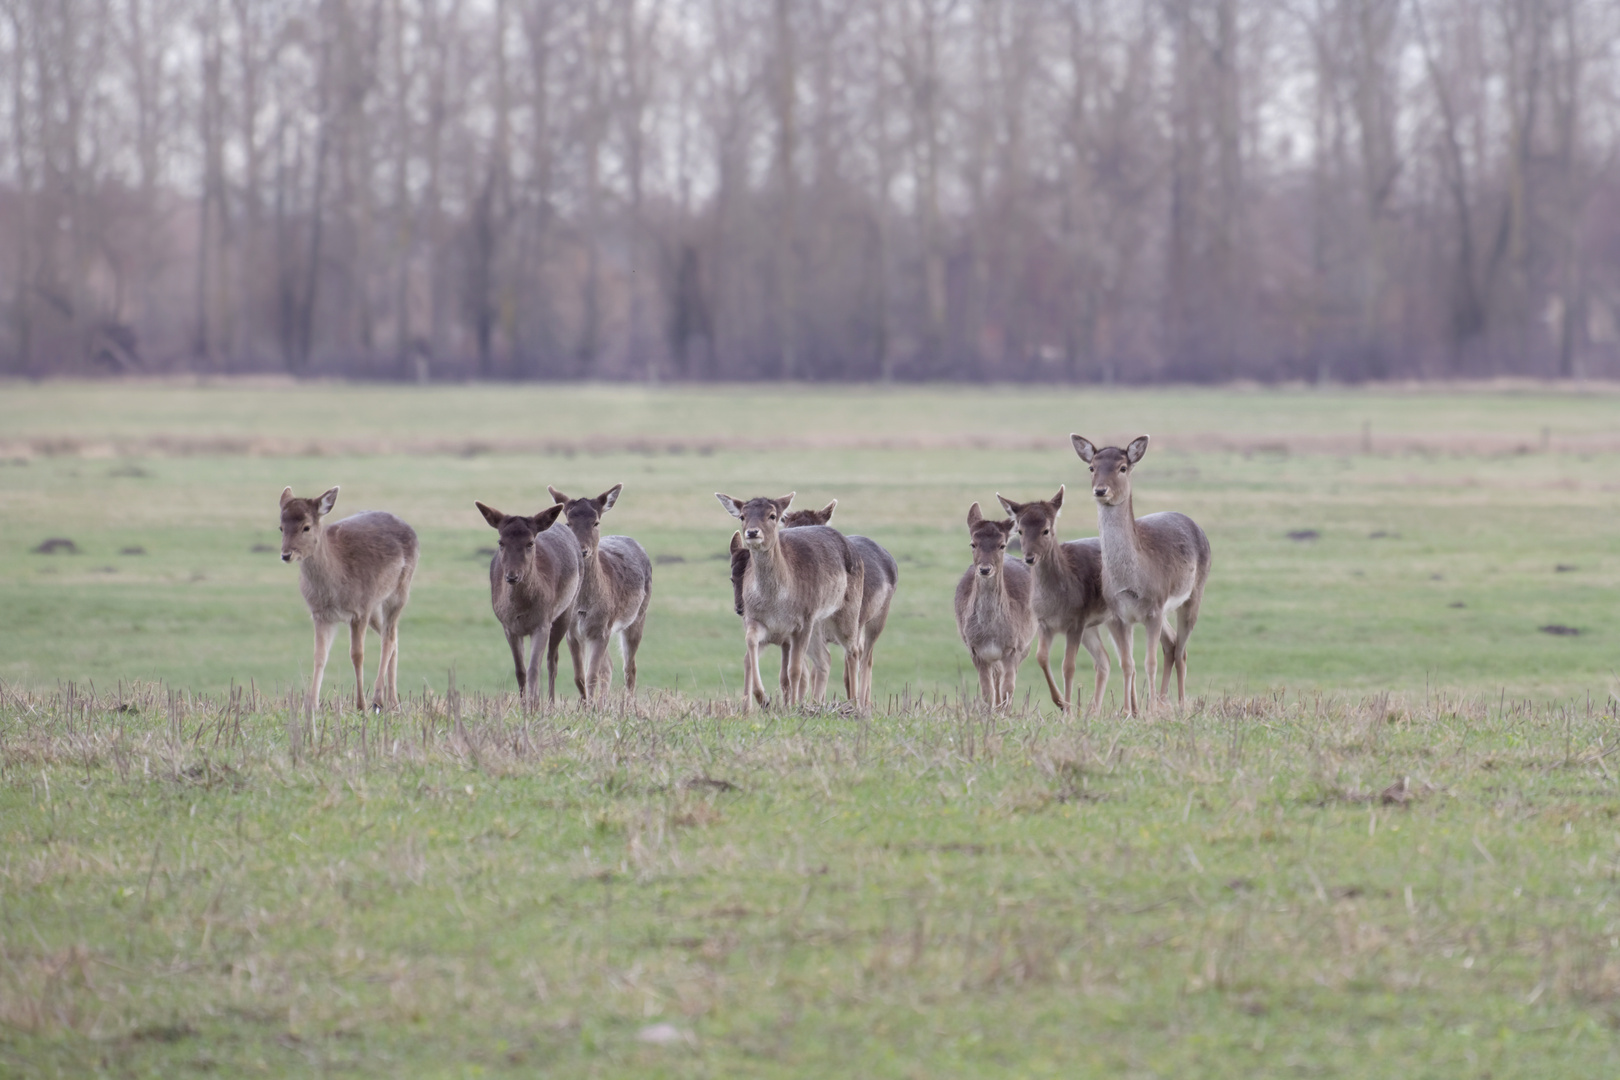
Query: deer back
(359, 562)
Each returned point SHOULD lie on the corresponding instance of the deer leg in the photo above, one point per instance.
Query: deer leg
(1154, 624)
(574, 648)
(324, 633)
(1124, 644)
(1092, 640)
(559, 630)
(628, 645)
(1071, 649)
(393, 660)
(357, 653)
(784, 678)
(1009, 681)
(1186, 619)
(1167, 645)
(753, 685)
(515, 643)
(1043, 658)
(537, 648)
(987, 687)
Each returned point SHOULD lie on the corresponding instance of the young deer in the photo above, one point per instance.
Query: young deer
(356, 571)
(615, 587)
(880, 575)
(1068, 594)
(797, 580)
(1151, 566)
(533, 581)
(993, 612)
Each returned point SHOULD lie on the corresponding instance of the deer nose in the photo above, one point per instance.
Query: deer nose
(751, 534)
(1099, 492)
(286, 556)
(1029, 560)
(511, 579)
(984, 571)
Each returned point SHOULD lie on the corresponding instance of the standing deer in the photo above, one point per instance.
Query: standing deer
(1151, 566)
(1067, 594)
(880, 576)
(533, 582)
(614, 590)
(797, 580)
(356, 571)
(993, 612)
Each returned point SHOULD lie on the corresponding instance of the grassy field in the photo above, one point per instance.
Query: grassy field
(1383, 836)
(1431, 567)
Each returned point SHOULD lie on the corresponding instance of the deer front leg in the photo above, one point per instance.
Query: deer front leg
(1071, 649)
(1009, 681)
(357, 653)
(575, 647)
(1124, 644)
(1092, 640)
(1043, 658)
(559, 630)
(753, 685)
(537, 646)
(987, 688)
(515, 643)
(1154, 624)
(324, 633)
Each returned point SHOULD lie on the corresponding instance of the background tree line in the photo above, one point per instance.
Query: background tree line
(1129, 190)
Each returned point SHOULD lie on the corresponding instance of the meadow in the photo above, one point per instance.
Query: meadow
(1382, 834)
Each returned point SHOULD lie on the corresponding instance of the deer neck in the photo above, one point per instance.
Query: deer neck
(771, 571)
(1116, 528)
(593, 580)
(990, 603)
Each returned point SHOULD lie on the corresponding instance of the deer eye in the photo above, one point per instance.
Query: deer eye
(306, 528)
(1046, 532)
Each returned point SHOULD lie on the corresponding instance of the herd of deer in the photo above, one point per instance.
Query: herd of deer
(797, 583)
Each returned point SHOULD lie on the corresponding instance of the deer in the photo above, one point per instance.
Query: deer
(1151, 566)
(798, 581)
(993, 612)
(1066, 579)
(356, 571)
(533, 581)
(614, 590)
(881, 574)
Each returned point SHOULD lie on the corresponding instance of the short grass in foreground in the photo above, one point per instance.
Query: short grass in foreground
(1333, 886)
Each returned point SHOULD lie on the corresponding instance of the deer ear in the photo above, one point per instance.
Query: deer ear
(827, 511)
(1057, 500)
(784, 502)
(733, 507)
(609, 497)
(1138, 447)
(1006, 526)
(974, 516)
(736, 542)
(556, 496)
(1008, 505)
(491, 515)
(546, 518)
(1083, 447)
(286, 497)
(328, 500)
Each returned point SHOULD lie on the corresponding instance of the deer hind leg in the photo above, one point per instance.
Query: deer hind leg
(1093, 642)
(1154, 625)
(1043, 659)
(393, 660)
(1186, 619)
(575, 647)
(383, 620)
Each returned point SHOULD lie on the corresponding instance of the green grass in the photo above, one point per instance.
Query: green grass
(189, 884)
(1322, 886)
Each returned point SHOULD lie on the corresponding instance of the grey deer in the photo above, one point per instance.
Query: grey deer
(1151, 566)
(533, 582)
(993, 612)
(614, 590)
(356, 571)
(1067, 594)
(880, 576)
(798, 582)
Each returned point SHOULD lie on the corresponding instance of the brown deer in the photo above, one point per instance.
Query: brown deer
(993, 612)
(533, 582)
(881, 575)
(356, 571)
(796, 581)
(1066, 579)
(614, 590)
(1151, 566)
